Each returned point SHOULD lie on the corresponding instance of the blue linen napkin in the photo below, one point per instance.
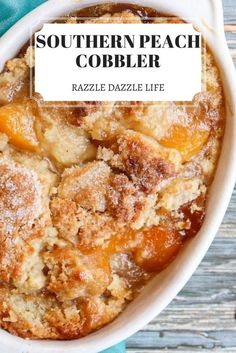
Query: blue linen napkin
(10, 12)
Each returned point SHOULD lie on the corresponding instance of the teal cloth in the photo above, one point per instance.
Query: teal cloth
(10, 12)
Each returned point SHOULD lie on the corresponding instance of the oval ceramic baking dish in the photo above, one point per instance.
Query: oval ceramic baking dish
(206, 15)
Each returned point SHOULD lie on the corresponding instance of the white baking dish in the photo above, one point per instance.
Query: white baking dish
(207, 15)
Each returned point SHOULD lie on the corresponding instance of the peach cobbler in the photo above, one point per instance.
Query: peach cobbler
(96, 199)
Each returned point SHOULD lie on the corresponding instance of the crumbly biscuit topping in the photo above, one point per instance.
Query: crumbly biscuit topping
(20, 198)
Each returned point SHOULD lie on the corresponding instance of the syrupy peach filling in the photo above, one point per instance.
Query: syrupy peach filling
(96, 199)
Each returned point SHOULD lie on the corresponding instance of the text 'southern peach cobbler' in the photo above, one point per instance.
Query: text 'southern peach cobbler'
(96, 199)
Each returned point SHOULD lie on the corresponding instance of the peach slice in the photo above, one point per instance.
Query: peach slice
(187, 140)
(159, 247)
(17, 121)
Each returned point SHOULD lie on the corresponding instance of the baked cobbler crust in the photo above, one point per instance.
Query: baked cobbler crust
(97, 199)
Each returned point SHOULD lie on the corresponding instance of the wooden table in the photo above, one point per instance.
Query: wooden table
(203, 316)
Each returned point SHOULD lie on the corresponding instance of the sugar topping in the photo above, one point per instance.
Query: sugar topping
(20, 196)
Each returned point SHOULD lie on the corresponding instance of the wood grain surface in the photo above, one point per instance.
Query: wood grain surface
(202, 318)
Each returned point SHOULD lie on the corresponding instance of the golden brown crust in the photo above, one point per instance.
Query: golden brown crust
(64, 218)
(20, 209)
(12, 80)
(72, 275)
(144, 161)
(20, 196)
(124, 200)
(86, 185)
